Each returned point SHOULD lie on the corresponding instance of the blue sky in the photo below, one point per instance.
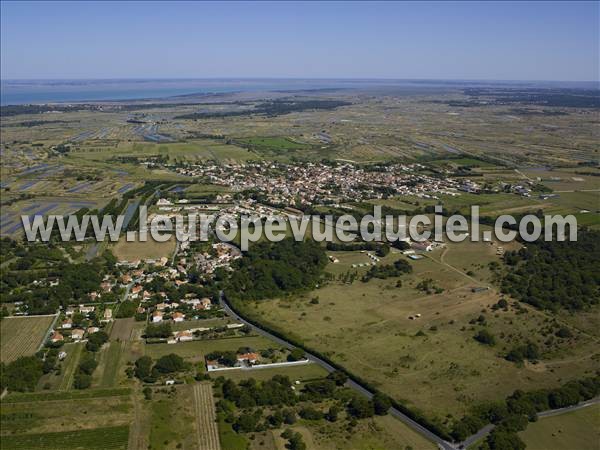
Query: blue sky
(445, 40)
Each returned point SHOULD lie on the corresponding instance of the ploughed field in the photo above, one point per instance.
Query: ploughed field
(21, 336)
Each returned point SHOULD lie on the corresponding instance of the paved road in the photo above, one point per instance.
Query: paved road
(128, 289)
(477, 436)
(49, 330)
(556, 412)
(352, 384)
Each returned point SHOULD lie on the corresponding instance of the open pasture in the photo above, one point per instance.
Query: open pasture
(302, 372)
(122, 329)
(22, 336)
(173, 419)
(41, 416)
(137, 250)
(273, 143)
(564, 179)
(464, 161)
(379, 432)
(573, 430)
(109, 438)
(200, 323)
(196, 350)
(430, 362)
(191, 151)
(62, 379)
(48, 396)
(109, 370)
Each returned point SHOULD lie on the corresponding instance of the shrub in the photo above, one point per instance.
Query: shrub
(485, 337)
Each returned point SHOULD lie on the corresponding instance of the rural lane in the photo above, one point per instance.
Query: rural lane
(555, 412)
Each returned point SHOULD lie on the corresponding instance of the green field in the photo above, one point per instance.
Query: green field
(137, 250)
(431, 363)
(40, 417)
(302, 373)
(200, 323)
(462, 162)
(64, 395)
(192, 151)
(94, 439)
(107, 372)
(229, 439)
(197, 349)
(574, 430)
(172, 419)
(379, 432)
(64, 379)
(273, 143)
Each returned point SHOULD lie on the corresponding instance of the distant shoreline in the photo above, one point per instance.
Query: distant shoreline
(24, 92)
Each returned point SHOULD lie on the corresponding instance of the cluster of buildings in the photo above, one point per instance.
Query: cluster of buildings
(176, 311)
(242, 359)
(193, 333)
(314, 183)
(76, 330)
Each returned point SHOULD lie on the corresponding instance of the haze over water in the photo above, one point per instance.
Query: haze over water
(18, 92)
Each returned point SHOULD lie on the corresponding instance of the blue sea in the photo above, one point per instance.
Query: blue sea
(19, 92)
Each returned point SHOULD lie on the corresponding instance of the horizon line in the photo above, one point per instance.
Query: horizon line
(512, 80)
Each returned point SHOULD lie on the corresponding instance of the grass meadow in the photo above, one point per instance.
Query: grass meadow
(574, 430)
(431, 363)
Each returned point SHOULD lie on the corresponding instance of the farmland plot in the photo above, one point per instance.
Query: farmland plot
(21, 336)
(208, 434)
(93, 439)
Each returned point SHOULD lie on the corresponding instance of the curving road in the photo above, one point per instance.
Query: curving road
(442, 444)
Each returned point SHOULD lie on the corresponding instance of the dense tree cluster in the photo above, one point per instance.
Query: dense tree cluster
(555, 274)
(379, 248)
(276, 391)
(126, 309)
(520, 353)
(243, 404)
(360, 407)
(224, 357)
(148, 371)
(384, 271)
(338, 377)
(32, 267)
(161, 330)
(273, 269)
(513, 415)
(296, 354)
(318, 390)
(21, 374)
(96, 341)
(85, 369)
(270, 108)
(428, 286)
(295, 441)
